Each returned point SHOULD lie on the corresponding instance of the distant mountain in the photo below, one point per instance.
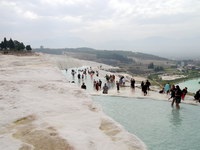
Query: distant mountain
(49, 51)
(127, 61)
(99, 53)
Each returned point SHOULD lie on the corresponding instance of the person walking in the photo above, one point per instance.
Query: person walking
(167, 88)
(105, 89)
(178, 94)
(132, 83)
(148, 84)
(172, 93)
(184, 92)
(117, 84)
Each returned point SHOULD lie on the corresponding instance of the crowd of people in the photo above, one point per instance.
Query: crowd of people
(176, 94)
(197, 96)
(145, 87)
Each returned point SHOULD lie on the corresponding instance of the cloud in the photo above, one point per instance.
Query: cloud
(71, 19)
(153, 8)
(30, 15)
(13, 10)
(65, 2)
(98, 23)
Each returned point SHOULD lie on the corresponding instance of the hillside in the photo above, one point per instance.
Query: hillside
(128, 61)
(42, 110)
(86, 50)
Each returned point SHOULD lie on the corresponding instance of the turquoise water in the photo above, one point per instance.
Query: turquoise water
(192, 85)
(160, 126)
(154, 122)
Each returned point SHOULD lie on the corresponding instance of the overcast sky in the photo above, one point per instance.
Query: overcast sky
(162, 27)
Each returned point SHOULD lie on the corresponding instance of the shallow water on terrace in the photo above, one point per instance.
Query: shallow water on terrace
(192, 85)
(155, 122)
(158, 125)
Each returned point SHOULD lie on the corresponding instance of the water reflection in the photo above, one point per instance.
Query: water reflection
(161, 129)
(175, 117)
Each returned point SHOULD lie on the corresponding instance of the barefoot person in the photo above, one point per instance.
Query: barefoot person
(105, 89)
(172, 93)
(184, 92)
(197, 96)
(83, 86)
(148, 84)
(132, 83)
(117, 84)
(178, 94)
(144, 89)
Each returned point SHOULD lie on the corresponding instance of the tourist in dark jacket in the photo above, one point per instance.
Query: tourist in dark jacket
(83, 86)
(197, 95)
(178, 94)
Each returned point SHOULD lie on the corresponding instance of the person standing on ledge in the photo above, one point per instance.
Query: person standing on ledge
(83, 86)
(132, 83)
(197, 96)
(117, 84)
(105, 89)
(178, 94)
(148, 84)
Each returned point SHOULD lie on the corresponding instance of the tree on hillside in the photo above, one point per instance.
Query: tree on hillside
(16, 43)
(5, 43)
(11, 44)
(114, 56)
(151, 66)
(19, 46)
(28, 48)
(2, 45)
(158, 68)
(22, 46)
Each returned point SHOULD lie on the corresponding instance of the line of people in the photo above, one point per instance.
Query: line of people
(145, 87)
(176, 93)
